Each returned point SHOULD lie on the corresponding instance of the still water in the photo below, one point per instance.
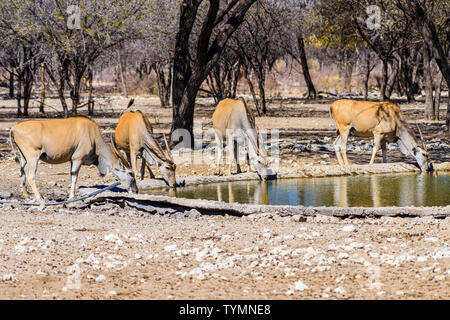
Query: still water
(345, 191)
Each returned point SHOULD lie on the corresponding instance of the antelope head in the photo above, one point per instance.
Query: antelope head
(168, 167)
(123, 170)
(421, 154)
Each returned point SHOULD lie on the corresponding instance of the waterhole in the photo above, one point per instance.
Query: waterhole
(345, 191)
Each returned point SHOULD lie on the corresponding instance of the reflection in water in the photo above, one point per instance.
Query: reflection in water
(375, 187)
(343, 191)
(230, 193)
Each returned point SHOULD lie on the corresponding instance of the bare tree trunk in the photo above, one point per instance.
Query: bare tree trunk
(60, 85)
(19, 94)
(11, 82)
(261, 76)
(183, 118)
(429, 112)
(62, 99)
(348, 71)
(384, 79)
(447, 120)
(121, 75)
(164, 86)
(188, 75)
(431, 38)
(367, 72)
(90, 100)
(252, 91)
(27, 89)
(391, 79)
(41, 106)
(236, 75)
(437, 96)
(304, 63)
(75, 91)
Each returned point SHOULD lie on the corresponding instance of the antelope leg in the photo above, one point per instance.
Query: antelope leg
(337, 143)
(344, 137)
(236, 156)
(219, 150)
(75, 168)
(31, 177)
(23, 177)
(143, 169)
(376, 146)
(133, 158)
(383, 149)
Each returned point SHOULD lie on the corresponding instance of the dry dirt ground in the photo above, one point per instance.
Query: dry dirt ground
(109, 252)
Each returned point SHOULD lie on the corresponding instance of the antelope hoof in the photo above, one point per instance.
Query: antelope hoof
(41, 202)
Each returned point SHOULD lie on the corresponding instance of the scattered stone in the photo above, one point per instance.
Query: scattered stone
(100, 278)
(9, 277)
(348, 228)
(300, 286)
(193, 213)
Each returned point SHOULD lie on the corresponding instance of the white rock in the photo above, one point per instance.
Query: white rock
(92, 260)
(100, 278)
(9, 277)
(201, 254)
(300, 286)
(225, 237)
(170, 248)
(343, 255)
(340, 290)
(40, 272)
(348, 228)
(422, 259)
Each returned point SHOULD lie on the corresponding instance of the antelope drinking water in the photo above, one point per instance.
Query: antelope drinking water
(381, 120)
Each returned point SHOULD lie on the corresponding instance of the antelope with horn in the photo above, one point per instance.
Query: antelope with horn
(134, 135)
(76, 139)
(231, 120)
(381, 120)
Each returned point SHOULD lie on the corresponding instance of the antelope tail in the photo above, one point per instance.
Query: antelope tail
(14, 147)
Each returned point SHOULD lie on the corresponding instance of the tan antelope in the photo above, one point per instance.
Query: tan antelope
(134, 135)
(77, 139)
(231, 120)
(381, 120)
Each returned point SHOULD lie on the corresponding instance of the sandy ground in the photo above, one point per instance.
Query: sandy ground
(97, 254)
(109, 252)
